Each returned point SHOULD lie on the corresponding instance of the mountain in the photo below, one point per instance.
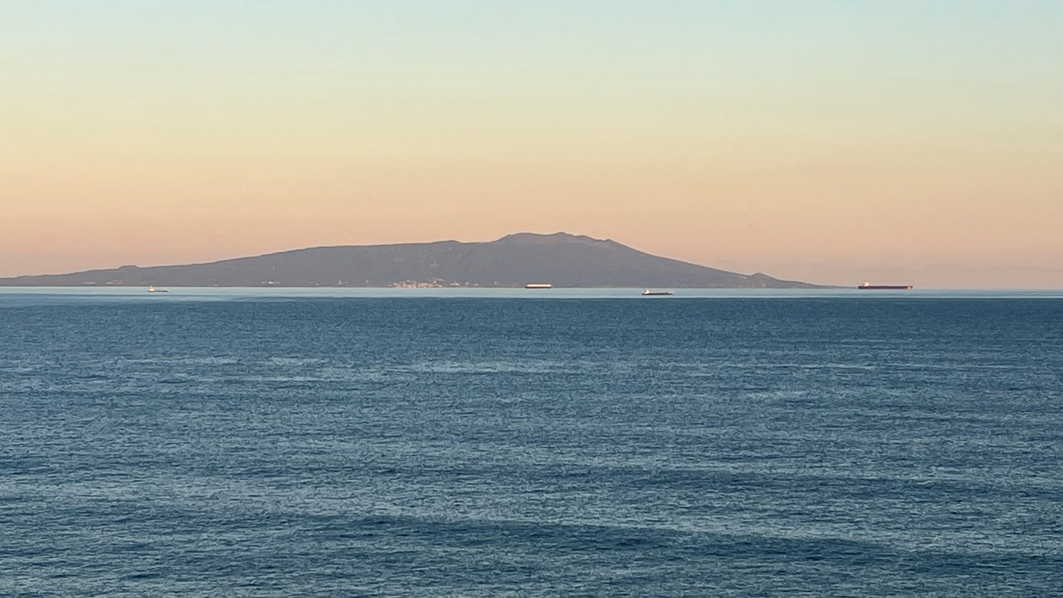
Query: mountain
(561, 259)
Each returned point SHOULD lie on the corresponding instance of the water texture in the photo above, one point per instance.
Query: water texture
(383, 446)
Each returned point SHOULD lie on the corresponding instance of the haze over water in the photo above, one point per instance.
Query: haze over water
(304, 443)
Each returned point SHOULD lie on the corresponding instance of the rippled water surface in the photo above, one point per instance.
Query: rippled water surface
(482, 446)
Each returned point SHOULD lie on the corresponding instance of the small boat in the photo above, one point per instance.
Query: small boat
(154, 290)
(867, 286)
(647, 292)
(538, 285)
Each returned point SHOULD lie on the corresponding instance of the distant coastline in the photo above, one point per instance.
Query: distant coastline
(559, 259)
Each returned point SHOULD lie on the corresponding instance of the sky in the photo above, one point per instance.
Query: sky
(832, 142)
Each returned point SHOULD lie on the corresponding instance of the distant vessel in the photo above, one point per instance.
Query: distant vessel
(647, 292)
(154, 290)
(538, 285)
(867, 286)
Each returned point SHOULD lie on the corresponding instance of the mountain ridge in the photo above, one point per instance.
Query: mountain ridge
(562, 259)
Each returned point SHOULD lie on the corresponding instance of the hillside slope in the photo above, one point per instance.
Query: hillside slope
(561, 259)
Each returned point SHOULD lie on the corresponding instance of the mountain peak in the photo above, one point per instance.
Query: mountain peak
(547, 238)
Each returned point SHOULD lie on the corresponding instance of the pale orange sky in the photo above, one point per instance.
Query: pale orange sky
(833, 143)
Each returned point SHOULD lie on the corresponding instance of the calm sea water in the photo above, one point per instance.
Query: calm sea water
(312, 445)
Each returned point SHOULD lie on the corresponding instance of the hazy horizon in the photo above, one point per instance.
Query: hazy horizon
(937, 271)
(828, 142)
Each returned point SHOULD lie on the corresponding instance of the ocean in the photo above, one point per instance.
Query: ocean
(530, 443)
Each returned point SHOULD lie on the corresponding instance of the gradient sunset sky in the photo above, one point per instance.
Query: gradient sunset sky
(832, 142)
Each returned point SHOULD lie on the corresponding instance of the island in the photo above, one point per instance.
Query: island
(517, 260)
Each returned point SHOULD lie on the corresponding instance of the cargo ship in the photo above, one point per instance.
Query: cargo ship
(867, 286)
(647, 292)
(538, 285)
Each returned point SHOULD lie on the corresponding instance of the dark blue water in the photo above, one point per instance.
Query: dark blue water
(481, 447)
